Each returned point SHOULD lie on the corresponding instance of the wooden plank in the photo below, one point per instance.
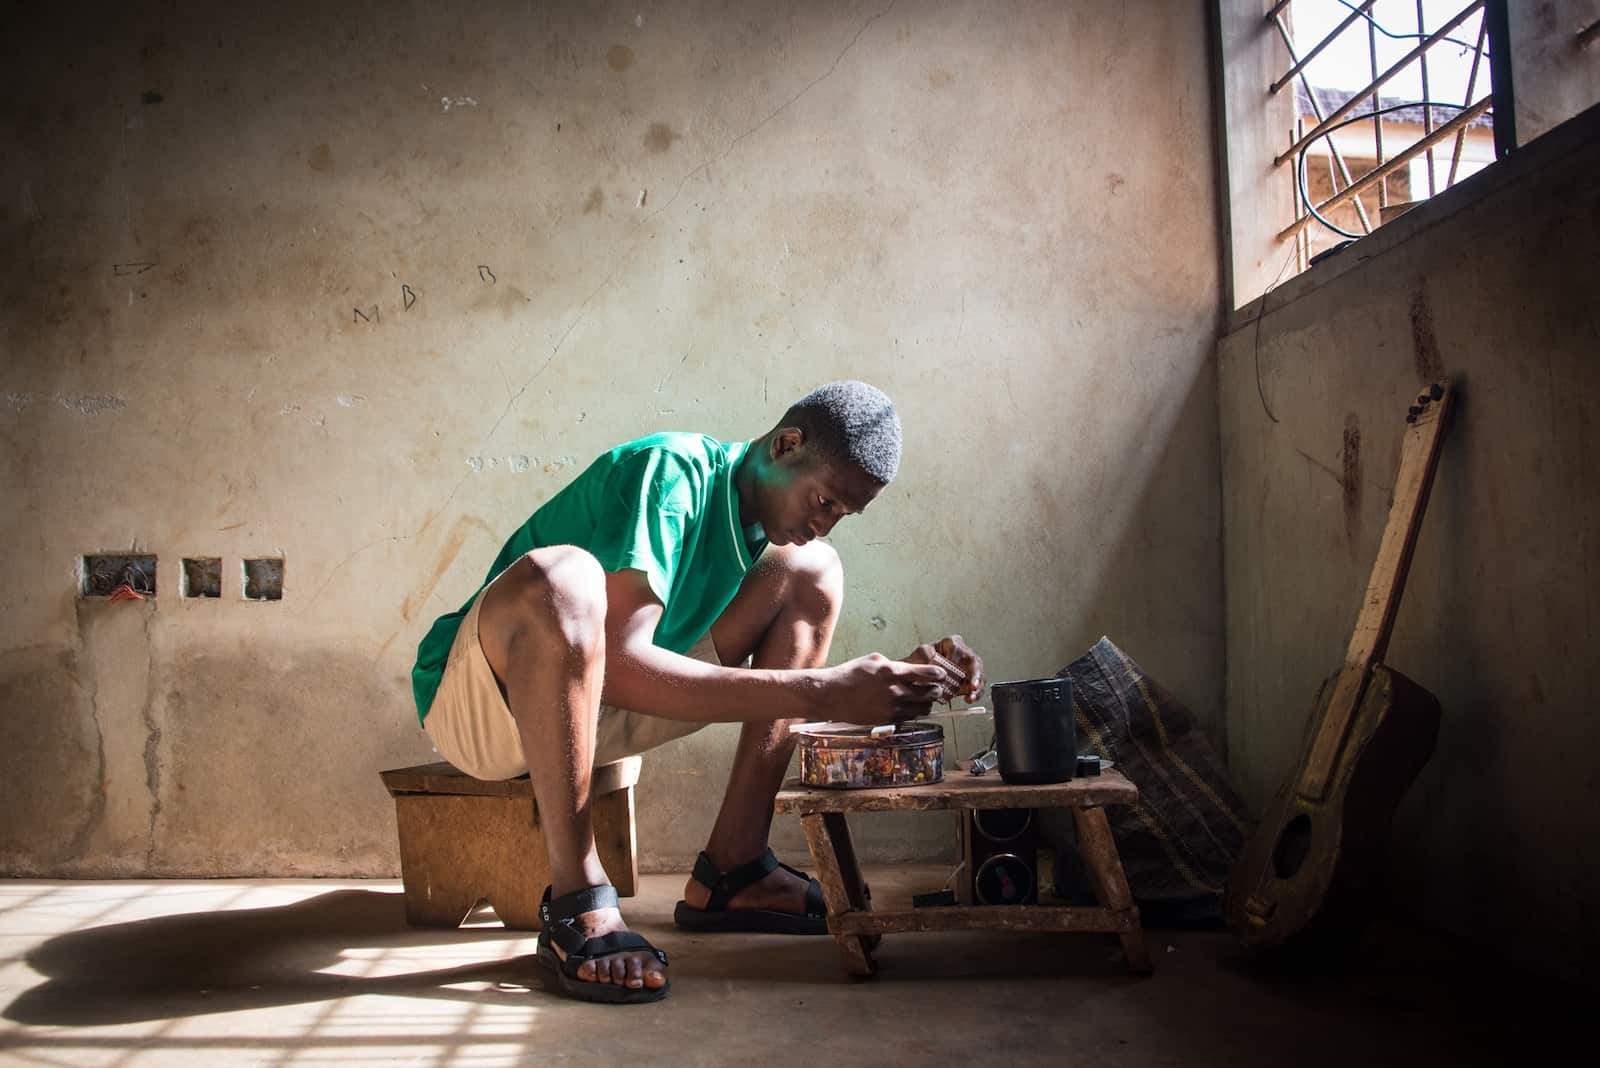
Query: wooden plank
(1099, 852)
(989, 917)
(459, 846)
(614, 835)
(444, 778)
(966, 835)
(855, 886)
(1419, 459)
(457, 851)
(960, 790)
(857, 959)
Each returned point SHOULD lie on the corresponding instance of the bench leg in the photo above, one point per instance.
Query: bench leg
(423, 910)
(458, 850)
(1104, 863)
(614, 830)
(842, 893)
(855, 886)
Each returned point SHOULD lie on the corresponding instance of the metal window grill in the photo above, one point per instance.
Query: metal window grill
(1382, 151)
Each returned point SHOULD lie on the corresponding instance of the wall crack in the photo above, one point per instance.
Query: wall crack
(333, 572)
(96, 808)
(780, 109)
(583, 308)
(152, 740)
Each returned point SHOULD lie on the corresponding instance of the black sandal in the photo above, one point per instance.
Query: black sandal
(557, 927)
(717, 916)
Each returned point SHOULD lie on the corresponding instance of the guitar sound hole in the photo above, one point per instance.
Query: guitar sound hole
(1293, 846)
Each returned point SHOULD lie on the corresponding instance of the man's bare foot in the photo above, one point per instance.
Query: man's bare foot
(636, 969)
(779, 890)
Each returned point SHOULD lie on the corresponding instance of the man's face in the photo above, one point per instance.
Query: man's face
(805, 494)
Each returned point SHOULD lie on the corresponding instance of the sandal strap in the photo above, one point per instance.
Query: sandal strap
(705, 872)
(816, 904)
(558, 922)
(578, 950)
(615, 942)
(558, 916)
(568, 907)
(724, 885)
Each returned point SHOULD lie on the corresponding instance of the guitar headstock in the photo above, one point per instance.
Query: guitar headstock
(1430, 403)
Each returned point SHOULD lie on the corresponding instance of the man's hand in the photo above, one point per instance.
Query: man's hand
(964, 666)
(875, 689)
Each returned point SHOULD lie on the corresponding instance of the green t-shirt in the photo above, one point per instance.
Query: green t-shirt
(665, 505)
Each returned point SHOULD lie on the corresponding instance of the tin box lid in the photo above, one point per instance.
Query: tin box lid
(911, 733)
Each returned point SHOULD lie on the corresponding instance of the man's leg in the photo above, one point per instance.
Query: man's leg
(542, 628)
(782, 617)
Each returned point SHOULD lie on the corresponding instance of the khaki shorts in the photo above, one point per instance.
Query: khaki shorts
(472, 728)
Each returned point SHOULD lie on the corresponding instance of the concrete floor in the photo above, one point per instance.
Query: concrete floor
(299, 972)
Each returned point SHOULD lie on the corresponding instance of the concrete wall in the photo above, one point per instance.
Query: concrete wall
(1494, 285)
(1261, 198)
(362, 285)
(1554, 78)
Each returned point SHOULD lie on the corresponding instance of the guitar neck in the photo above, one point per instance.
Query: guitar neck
(1419, 458)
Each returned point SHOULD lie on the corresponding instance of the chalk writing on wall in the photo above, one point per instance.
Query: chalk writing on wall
(373, 314)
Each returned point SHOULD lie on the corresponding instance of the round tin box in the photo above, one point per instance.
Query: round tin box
(850, 758)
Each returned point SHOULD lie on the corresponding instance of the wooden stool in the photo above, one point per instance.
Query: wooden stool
(464, 840)
(856, 926)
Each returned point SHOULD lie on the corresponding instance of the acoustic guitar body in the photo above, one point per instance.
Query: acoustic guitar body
(1310, 877)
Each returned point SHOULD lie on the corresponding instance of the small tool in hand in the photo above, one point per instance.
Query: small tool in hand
(887, 728)
(955, 673)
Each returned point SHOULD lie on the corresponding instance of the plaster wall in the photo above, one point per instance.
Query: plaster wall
(1554, 78)
(1492, 285)
(361, 285)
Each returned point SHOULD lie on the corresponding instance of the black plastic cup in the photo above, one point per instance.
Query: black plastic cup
(1035, 737)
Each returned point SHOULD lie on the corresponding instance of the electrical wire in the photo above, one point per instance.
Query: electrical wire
(1410, 36)
(134, 577)
(1255, 342)
(1300, 161)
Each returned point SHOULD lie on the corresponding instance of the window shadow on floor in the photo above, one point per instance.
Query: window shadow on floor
(224, 961)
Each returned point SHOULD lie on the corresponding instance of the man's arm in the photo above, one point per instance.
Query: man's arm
(646, 678)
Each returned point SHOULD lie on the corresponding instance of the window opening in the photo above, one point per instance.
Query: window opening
(118, 576)
(1394, 103)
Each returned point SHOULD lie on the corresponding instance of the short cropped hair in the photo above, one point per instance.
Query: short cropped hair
(851, 421)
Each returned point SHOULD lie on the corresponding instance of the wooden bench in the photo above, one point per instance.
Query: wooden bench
(466, 840)
(857, 927)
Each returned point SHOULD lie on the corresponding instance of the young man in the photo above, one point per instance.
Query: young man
(623, 614)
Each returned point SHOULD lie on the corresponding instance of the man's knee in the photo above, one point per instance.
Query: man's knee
(559, 595)
(814, 578)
